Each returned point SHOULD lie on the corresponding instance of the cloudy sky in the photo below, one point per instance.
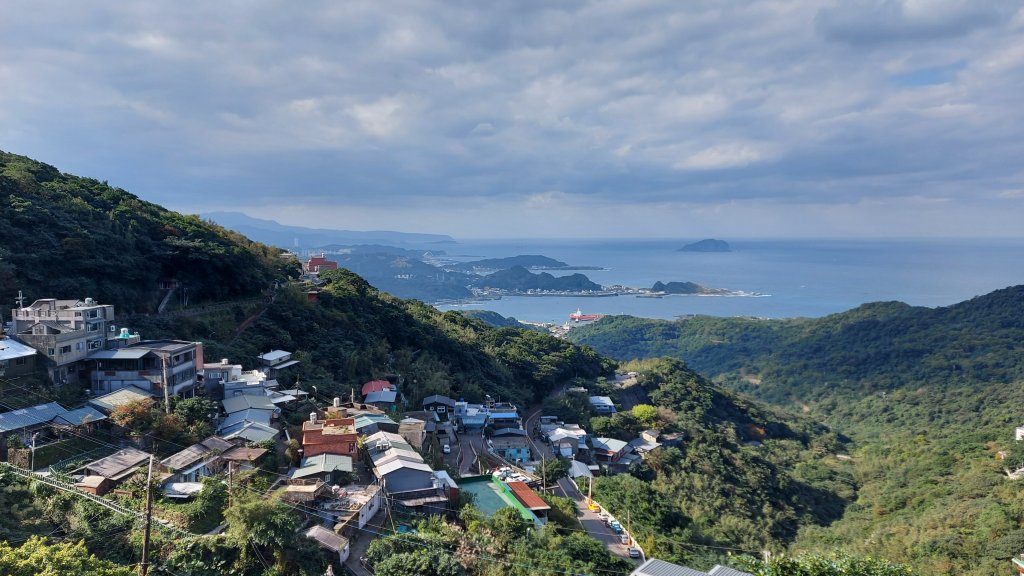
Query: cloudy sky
(536, 118)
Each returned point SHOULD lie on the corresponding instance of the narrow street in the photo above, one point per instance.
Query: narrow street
(589, 520)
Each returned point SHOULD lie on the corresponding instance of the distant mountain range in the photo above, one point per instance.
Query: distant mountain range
(276, 234)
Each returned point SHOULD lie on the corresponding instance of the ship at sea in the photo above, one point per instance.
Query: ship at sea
(579, 316)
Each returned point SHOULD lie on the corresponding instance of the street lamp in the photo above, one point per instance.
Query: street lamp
(315, 394)
(32, 466)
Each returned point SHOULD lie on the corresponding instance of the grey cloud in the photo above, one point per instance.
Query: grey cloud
(362, 104)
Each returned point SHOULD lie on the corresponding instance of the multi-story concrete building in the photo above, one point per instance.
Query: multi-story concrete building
(65, 332)
(150, 365)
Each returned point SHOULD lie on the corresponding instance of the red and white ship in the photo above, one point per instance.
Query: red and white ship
(579, 316)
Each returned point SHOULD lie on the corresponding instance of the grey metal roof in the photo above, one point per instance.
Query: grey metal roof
(246, 401)
(119, 464)
(655, 567)
(120, 354)
(609, 444)
(720, 570)
(252, 415)
(11, 349)
(29, 417)
(196, 452)
(253, 432)
(108, 402)
(439, 399)
(80, 416)
(273, 355)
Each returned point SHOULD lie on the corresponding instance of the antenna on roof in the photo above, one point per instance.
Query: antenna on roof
(20, 299)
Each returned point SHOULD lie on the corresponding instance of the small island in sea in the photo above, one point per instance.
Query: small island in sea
(687, 288)
(707, 245)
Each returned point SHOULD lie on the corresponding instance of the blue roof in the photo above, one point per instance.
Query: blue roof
(11, 349)
(381, 396)
(31, 416)
(250, 415)
(504, 416)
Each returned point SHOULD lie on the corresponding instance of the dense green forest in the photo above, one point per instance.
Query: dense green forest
(76, 237)
(744, 476)
(930, 398)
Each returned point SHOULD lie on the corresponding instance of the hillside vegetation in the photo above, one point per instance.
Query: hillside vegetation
(73, 237)
(930, 398)
(744, 476)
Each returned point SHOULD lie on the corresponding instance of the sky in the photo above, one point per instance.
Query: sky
(620, 118)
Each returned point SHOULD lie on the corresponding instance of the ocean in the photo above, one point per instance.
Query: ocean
(796, 278)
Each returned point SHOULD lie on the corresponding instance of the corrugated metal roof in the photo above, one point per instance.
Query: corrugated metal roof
(719, 570)
(245, 401)
(399, 464)
(273, 355)
(327, 538)
(387, 396)
(376, 386)
(655, 567)
(119, 464)
(439, 399)
(527, 497)
(322, 464)
(29, 417)
(12, 349)
(108, 402)
(80, 416)
(609, 444)
(252, 415)
(252, 431)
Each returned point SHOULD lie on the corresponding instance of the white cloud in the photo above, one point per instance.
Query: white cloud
(723, 156)
(656, 109)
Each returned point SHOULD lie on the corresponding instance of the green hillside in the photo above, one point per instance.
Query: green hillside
(68, 236)
(929, 397)
(875, 347)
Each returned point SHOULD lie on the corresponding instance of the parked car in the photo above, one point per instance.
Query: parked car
(624, 538)
(446, 449)
(616, 527)
(633, 553)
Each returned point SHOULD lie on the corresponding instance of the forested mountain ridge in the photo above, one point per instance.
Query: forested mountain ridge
(930, 398)
(75, 237)
(875, 347)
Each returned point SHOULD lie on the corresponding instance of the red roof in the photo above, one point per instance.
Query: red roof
(376, 386)
(527, 497)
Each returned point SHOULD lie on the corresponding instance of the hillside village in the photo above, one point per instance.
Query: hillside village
(349, 466)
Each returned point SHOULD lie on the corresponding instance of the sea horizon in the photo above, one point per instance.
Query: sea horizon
(797, 277)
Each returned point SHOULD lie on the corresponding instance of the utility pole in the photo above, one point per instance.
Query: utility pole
(229, 482)
(32, 466)
(167, 392)
(149, 519)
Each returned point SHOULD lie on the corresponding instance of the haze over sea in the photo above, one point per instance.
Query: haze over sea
(799, 277)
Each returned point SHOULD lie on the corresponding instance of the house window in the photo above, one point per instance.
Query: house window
(78, 314)
(94, 345)
(65, 349)
(51, 352)
(19, 361)
(94, 313)
(94, 326)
